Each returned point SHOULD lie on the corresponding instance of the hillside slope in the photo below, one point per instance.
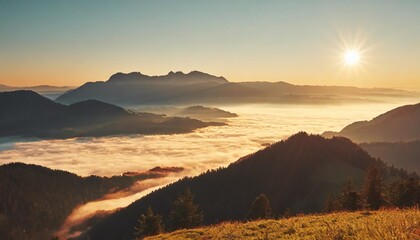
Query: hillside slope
(404, 155)
(378, 225)
(399, 124)
(36, 200)
(297, 173)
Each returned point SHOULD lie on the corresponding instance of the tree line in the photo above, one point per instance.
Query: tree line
(373, 195)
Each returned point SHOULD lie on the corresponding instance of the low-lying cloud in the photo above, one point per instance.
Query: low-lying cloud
(203, 149)
(108, 203)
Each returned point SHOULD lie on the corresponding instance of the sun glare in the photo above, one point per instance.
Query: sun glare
(351, 57)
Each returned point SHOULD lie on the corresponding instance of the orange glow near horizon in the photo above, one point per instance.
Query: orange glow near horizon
(373, 67)
(69, 43)
(328, 76)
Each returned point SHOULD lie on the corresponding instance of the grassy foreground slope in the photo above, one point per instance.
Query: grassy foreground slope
(384, 224)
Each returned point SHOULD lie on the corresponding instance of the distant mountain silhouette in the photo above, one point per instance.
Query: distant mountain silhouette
(51, 92)
(28, 114)
(197, 112)
(297, 174)
(201, 112)
(201, 88)
(399, 124)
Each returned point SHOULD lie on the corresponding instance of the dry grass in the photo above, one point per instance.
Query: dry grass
(380, 225)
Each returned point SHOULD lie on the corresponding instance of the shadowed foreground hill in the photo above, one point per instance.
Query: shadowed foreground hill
(297, 173)
(399, 124)
(379, 225)
(28, 114)
(35, 200)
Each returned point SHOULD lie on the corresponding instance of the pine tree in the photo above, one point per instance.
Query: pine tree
(149, 224)
(329, 205)
(405, 193)
(349, 199)
(372, 189)
(287, 213)
(185, 214)
(260, 208)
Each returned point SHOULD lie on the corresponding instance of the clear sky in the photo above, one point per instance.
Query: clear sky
(71, 42)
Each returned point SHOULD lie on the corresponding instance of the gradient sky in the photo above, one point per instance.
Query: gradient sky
(71, 42)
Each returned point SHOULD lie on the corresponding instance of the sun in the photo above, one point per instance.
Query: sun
(352, 57)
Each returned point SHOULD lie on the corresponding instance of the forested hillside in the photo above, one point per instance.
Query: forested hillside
(297, 175)
(35, 201)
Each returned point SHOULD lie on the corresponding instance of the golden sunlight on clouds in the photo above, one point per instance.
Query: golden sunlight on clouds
(243, 135)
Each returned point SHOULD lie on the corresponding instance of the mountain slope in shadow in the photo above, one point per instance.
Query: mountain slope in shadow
(399, 124)
(297, 174)
(28, 114)
(404, 155)
(36, 200)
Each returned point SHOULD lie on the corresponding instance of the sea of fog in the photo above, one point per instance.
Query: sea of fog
(198, 151)
(207, 148)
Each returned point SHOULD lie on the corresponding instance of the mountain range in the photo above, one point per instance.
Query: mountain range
(130, 89)
(28, 114)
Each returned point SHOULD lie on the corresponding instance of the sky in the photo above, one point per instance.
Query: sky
(302, 42)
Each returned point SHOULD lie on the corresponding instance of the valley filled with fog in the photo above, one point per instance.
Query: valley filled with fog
(206, 148)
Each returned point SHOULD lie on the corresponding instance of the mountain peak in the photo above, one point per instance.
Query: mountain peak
(127, 77)
(175, 73)
(313, 149)
(196, 73)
